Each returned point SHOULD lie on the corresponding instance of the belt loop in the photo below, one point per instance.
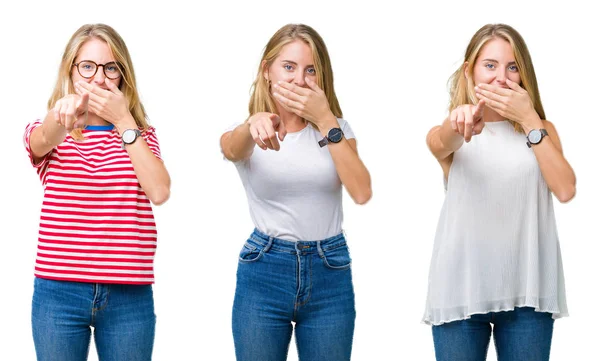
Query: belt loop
(268, 247)
(319, 249)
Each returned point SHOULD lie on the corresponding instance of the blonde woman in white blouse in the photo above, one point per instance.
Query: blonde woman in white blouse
(496, 257)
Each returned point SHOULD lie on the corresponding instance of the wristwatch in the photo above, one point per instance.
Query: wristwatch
(334, 135)
(535, 136)
(129, 136)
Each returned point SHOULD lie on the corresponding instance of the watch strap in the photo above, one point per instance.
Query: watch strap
(323, 142)
(543, 133)
(137, 132)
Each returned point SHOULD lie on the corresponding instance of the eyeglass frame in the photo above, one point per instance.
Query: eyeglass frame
(76, 65)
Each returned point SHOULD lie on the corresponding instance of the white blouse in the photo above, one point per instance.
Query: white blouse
(496, 245)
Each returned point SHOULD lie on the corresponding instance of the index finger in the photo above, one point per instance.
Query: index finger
(468, 125)
(82, 105)
(478, 112)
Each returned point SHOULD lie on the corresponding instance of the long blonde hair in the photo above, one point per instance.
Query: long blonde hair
(462, 88)
(64, 84)
(261, 99)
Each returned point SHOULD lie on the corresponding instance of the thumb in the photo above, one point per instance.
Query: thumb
(514, 86)
(312, 84)
(278, 126)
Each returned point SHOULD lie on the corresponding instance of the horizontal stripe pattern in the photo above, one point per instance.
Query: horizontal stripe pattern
(96, 223)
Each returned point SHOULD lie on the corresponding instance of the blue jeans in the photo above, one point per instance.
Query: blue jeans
(122, 316)
(280, 282)
(519, 335)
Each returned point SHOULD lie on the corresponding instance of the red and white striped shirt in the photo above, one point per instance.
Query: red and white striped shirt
(96, 223)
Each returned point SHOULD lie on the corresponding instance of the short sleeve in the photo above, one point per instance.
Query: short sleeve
(41, 165)
(230, 128)
(348, 133)
(150, 137)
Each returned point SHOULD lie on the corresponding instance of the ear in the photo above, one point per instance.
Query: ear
(265, 70)
(466, 69)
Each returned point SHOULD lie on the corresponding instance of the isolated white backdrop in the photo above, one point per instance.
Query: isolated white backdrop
(195, 64)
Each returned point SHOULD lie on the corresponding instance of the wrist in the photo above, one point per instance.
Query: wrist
(533, 122)
(328, 123)
(126, 123)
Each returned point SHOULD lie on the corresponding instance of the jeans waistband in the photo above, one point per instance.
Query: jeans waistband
(282, 245)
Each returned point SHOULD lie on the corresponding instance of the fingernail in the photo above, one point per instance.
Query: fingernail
(279, 82)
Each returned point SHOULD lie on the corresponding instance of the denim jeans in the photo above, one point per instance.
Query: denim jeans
(519, 335)
(308, 283)
(122, 316)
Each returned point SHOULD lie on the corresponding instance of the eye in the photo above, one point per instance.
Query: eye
(112, 68)
(288, 67)
(311, 71)
(490, 65)
(513, 68)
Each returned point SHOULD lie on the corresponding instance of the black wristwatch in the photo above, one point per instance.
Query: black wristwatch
(535, 136)
(129, 136)
(334, 135)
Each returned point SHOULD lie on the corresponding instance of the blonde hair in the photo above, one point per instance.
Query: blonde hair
(462, 88)
(64, 84)
(261, 99)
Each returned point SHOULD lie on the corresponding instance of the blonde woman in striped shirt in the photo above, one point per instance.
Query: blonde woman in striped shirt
(99, 162)
(496, 258)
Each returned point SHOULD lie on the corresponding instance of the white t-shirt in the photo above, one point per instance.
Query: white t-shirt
(295, 193)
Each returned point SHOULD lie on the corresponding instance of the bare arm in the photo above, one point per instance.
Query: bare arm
(58, 122)
(557, 172)
(350, 168)
(443, 140)
(262, 129)
(149, 170)
(515, 104)
(112, 106)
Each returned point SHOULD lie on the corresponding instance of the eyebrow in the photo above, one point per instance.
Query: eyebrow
(293, 62)
(495, 61)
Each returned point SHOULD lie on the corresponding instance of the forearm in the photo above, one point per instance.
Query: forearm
(47, 136)
(149, 170)
(238, 144)
(442, 140)
(352, 172)
(556, 170)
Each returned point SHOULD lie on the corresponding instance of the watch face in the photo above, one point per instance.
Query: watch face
(335, 135)
(535, 136)
(129, 136)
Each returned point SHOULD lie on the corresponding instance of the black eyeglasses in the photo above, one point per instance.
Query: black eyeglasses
(88, 69)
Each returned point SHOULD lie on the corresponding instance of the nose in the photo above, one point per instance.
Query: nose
(99, 78)
(501, 76)
(299, 79)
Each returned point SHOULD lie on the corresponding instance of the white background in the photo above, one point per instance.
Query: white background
(195, 66)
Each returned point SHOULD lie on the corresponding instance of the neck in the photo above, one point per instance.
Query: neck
(93, 119)
(293, 123)
(490, 115)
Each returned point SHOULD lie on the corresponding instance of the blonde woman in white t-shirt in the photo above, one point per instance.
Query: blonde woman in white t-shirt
(496, 257)
(293, 154)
